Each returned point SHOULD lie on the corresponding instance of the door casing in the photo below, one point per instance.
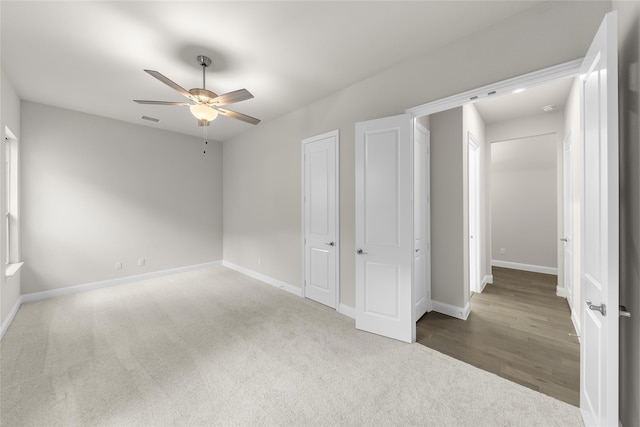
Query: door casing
(473, 176)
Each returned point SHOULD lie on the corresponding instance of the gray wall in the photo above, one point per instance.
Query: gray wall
(96, 191)
(547, 35)
(10, 117)
(523, 201)
(525, 127)
(629, 98)
(449, 263)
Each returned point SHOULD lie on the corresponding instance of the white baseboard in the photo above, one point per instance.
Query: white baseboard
(69, 290)
(525, 267)
(561, 291)
(485, 281)
(347, 311)
(264, 278)
(9, 319)
(54, 293)
(576, 323)
(451, 310)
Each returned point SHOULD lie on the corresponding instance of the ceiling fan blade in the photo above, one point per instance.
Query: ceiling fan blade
(239, 116)
(231, 97)
(140, 101)
(170, 83)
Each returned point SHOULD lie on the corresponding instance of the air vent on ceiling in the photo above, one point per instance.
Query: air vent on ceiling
(151, 119)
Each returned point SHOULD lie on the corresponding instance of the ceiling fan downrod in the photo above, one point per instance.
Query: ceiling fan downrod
(204, 61)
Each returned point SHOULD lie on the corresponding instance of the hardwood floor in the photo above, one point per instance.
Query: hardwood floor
(518, 329)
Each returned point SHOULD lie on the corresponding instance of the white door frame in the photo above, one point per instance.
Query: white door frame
(546, 75)
(561, 71)
(473, 168)
(336, 134)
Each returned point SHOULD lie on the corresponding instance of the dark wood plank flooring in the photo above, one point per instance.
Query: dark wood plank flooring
(518, 329)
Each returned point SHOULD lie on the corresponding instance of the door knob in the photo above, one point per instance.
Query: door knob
(624, 312)
(601, 308)
(330, 243)
(361, 252)
(564, 239)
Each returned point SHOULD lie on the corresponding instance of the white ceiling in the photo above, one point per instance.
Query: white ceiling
(89, 56)
(528, 103)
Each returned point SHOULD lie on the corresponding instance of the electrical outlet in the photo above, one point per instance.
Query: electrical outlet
(118, 265)
(141, 262)
(503, 251)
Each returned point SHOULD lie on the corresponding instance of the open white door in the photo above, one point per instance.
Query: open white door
(567, 195)
(599, 259)
(384, 230)
(320, 200)
(421, 221)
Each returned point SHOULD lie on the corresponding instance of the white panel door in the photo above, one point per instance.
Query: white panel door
(421, 222)
(599, 259)
(384, 231)
(320, 218)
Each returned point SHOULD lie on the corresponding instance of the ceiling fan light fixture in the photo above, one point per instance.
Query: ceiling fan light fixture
(203, 112)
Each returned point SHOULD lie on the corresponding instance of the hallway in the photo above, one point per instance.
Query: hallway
(518, 329)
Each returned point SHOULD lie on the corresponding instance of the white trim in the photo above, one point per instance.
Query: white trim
(7, 322)
(474, 146)
(54, 293)
(576, 323)
(8, 134)
(568, 69)
(13, 268)
(525, 267)
(347, 311)
(452, 310)
(335, 134)
(485, 281)
(264, 278)
(561, 291)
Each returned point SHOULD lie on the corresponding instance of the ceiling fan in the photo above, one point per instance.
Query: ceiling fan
(205, 105)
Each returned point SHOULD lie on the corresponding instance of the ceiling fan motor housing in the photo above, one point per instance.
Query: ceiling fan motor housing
(202, 96)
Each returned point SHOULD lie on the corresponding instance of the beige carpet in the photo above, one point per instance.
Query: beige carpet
(214, 347)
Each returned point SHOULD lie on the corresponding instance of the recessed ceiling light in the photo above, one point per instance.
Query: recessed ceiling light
(548, 108)
(522, 89)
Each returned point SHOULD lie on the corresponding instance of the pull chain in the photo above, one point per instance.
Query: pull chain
(205, 140)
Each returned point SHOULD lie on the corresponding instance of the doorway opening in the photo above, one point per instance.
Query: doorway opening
(495, 325)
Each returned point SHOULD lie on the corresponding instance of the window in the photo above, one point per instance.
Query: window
(12, 257)
(7, 180)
